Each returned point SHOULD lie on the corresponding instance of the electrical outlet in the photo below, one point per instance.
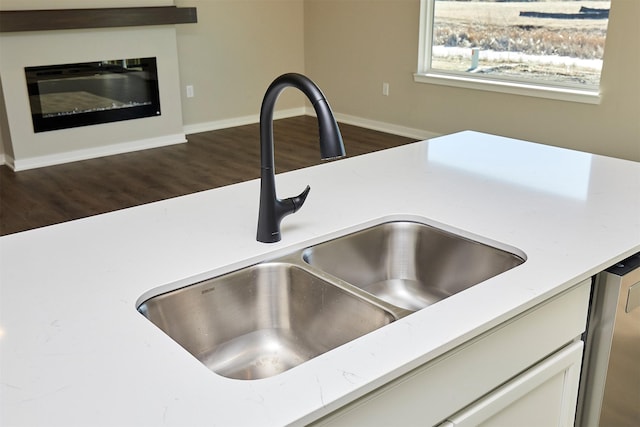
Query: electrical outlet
(190, 91)
(385, 89)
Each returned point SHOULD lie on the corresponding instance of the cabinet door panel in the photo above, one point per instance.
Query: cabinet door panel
(545, 394)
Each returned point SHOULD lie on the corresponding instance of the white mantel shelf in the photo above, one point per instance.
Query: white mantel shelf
(74, 350)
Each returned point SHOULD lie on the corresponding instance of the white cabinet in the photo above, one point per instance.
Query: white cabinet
(544, 395)
(520, 361)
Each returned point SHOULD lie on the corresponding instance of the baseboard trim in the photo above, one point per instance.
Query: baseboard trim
(91, 153)
(240, 121)
(408, 132)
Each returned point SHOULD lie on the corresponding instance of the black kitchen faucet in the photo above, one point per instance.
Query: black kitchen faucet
(272, 209)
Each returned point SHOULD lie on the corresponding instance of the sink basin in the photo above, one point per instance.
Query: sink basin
(409, 264)
(265, 319)
(262, 320)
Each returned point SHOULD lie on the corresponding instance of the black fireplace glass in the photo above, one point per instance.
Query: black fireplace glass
(88, 93)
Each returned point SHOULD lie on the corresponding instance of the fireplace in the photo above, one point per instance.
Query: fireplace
(137, 46)
(81, 94)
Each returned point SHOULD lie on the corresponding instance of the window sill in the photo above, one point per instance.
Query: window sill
(515, 88)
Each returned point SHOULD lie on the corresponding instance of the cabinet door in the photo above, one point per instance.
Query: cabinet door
(544, 395)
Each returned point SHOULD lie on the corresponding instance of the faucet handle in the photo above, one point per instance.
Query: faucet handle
(298, 201)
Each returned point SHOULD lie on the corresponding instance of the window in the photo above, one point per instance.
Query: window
(546, 48)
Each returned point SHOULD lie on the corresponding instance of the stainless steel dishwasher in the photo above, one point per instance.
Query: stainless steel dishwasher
(610, 384)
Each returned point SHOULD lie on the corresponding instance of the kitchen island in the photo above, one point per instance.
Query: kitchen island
(75, 351)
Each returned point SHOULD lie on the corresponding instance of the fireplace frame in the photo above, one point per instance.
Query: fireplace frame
(74, 35)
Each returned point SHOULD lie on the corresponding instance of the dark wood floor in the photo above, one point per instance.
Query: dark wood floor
(39, 197)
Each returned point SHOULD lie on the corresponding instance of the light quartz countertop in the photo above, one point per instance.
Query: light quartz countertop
(74, 351)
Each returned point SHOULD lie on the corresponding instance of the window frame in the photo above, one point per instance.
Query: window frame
(525, 87)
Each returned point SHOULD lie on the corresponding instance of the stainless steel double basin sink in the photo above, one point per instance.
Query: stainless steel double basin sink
(267, 318)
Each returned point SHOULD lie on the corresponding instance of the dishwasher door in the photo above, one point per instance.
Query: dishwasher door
(610, 383)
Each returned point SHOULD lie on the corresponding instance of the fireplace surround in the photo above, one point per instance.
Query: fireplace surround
(26, 148)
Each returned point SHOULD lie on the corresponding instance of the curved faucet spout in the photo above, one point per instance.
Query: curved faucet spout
(272, 209)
